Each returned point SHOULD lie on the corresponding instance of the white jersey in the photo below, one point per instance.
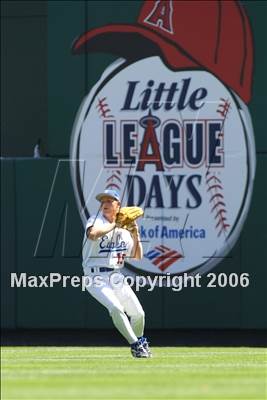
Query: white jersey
(110, 250)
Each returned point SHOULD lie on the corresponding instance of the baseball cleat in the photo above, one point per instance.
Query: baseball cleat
(143, 340)
(138, 350)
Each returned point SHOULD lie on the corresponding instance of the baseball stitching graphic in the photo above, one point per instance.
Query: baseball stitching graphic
(215, 190)
(114, 181)
(103, 108)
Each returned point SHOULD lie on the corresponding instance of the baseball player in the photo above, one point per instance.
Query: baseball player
(106, 247)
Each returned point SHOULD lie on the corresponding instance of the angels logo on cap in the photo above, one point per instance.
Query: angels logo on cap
(167, 126)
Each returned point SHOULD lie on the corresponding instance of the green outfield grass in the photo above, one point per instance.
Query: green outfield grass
(111, 373)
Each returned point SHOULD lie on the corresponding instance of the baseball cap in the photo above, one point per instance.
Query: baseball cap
(196, 34)
(108, 193)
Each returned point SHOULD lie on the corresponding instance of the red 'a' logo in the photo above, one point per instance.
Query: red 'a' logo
(161, 16)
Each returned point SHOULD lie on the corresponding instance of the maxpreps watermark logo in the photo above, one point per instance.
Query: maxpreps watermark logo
(173, 137)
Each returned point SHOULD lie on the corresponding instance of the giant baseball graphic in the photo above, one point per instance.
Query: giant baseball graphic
(177, 142)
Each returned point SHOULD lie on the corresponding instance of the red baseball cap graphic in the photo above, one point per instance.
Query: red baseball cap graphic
(197, 34)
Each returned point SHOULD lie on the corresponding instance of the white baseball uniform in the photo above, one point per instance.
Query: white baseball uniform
(110, 251)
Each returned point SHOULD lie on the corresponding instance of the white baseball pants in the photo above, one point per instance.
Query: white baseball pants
(119, 298)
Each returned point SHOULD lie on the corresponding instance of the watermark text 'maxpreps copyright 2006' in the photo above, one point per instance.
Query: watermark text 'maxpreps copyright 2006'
(116, 279)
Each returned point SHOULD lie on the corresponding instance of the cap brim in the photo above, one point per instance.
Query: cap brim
(133, 42)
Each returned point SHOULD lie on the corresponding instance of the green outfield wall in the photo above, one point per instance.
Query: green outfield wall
(42, 234)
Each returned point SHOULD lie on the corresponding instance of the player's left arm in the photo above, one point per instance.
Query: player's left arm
(137, 251)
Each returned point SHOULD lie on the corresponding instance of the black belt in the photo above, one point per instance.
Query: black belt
(101, 269)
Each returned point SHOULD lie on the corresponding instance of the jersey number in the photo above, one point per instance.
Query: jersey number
(120, 257)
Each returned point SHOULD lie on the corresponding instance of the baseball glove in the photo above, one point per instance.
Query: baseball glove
(127, 215)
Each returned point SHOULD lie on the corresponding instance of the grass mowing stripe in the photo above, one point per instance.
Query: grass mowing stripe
(109, 373)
